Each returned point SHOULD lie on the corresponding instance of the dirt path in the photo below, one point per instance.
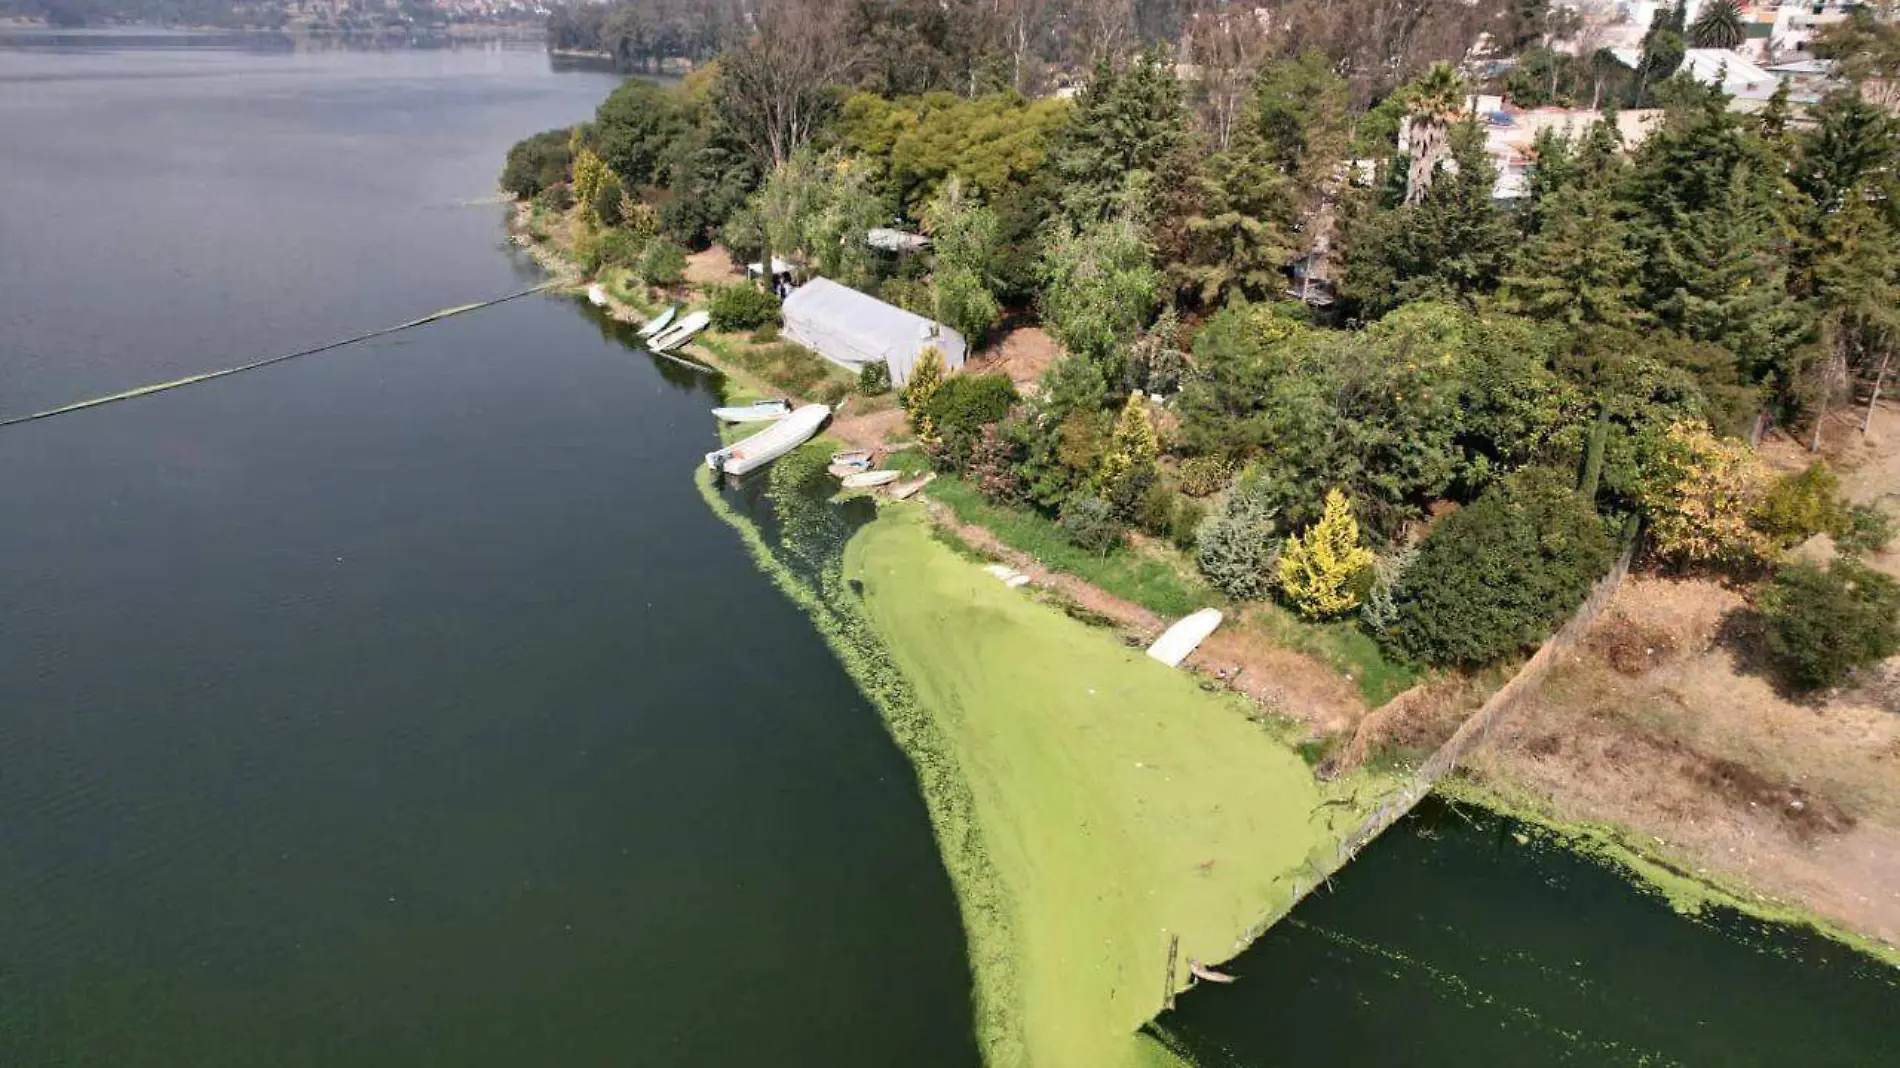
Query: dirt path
(1281, 681)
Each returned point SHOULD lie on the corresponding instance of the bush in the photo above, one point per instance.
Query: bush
(606, 202)
(1204, 476)
(1239, 548)
(1497, 577)
(1866, 529)
(1166, 514)
(1800, 506)
(1324, 571)
(874, 379)
(556, 197)
(662, 264)
(1380, 611)
(1702, 496)
(1822, 624)
(741, 307)
(536, 164)
(1089, 523)
(960, 408)
(615, 248)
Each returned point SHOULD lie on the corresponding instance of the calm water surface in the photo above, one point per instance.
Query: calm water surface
(405, 705)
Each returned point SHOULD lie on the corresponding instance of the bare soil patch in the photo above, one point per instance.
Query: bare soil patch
(1023, 354)
(1800, 802)
(712, 267)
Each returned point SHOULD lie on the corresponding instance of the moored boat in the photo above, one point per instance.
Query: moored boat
(852, 458)
(771, 443)
(676, 335)
(1188, 632)
(758, 412)
(659, 322)
(597, 296)
(870, 479)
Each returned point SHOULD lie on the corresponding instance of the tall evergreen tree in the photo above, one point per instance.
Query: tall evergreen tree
(1125, 122)
(1849, 142)
(1454, 245)
(1579, 269)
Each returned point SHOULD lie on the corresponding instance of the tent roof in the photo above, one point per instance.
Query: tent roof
(874, 325)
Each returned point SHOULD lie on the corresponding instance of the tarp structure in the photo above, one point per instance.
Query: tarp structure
(853, 329)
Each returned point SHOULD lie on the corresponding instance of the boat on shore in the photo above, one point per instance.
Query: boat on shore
(757, 412)
(860, 458)
(597, 296)
(1185, 636)
(870, 479)
(659, 322)
(771, 443)
(679, 333)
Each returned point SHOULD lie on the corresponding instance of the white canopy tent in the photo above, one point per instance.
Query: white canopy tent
(853, 329)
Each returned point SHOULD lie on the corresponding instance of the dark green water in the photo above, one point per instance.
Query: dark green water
(1449, 942)
(406, 705)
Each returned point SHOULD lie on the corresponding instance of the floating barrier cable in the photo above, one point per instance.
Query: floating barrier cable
(176, 383)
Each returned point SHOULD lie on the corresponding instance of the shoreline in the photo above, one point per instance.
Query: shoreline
(1654, 869)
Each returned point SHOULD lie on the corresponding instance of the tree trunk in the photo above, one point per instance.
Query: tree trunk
(1593, 457)
(1874, 400)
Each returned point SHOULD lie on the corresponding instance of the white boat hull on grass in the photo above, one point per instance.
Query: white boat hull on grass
(771, 443)
(659, 322)
(597, 296)
(678, 334)
(870, 479)
(762, 412)
(1185, 636)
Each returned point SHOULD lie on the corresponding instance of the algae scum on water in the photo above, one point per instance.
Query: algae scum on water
(1091, 805)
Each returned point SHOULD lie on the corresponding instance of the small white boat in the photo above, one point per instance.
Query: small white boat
(771, 443)
(676, 335)
(597, 296)
(757, 412)
(852, 458)
(1187, 633)
(659, 322)
(870, 479)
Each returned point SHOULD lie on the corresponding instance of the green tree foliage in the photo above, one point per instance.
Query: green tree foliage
(662, 264)
(993, 144)
(1800, 505)
(926, 378)
(1453, 245)
(1128, 466)
(960, 407)
(590, 174)
(1498, 576)
(537, 162)
(1718, 26)
(1578, 269)
(1098, 286)
(965, 239)
(1238, 547)
(1321, 570)
(742, 307)
(712, 174)
(1822, 624)
(635, 129)
(1126, 122)
(815, 210)
(1090, 523)
(1433, 104)
(874, 379)
(1848, 142)
(606, 202)
(1663, 50)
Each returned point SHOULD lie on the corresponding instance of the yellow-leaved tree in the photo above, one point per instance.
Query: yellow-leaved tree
(1129, 463)
(926, 376)
(589, 171)
(1320, 569)
(1700, 493)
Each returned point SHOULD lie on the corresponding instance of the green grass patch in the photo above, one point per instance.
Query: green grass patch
(1343, 646)
(1111, 801)
(1154, 583)
(791, 367)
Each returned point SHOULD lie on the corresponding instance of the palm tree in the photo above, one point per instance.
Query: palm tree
(1719, 25)
(1436, 100)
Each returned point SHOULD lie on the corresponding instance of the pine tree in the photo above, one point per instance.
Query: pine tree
(1851, 141)
(590, 174)
(1579, 269)
(1452, 246)
(1128, 466)
(1320, 569)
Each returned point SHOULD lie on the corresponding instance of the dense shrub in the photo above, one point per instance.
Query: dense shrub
(615, 248)
(741, 307)
(1822, 624)
(662, 264)
(1800, 506)
(636, 127)
(1166, 514)
(1497, 577)
(1089, 523)
(556, 197)
(1702, 496)
(607, 201)
(1238, 548)
(994, 460)
(1866, 529)
(874, 379)
(1324, 571)
(1204, 476)
(960, 408)
(1379, 611)
(537, 163)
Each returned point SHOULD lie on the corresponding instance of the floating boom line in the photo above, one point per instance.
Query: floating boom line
(192, 380)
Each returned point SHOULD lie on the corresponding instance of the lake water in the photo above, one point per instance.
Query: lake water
(403, 705)
(406, 706)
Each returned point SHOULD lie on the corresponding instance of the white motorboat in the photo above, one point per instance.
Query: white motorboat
(758, 412)
(659, 322)
(597, 296)
(870, 479)
(676, 335)
(1188, 632)
(771, 443)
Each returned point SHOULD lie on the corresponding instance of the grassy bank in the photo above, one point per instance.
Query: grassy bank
(1116, 803)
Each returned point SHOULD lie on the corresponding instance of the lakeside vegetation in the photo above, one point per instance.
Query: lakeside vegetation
(1309, 366)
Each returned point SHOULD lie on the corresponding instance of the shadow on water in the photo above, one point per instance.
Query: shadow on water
(1465, 937)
